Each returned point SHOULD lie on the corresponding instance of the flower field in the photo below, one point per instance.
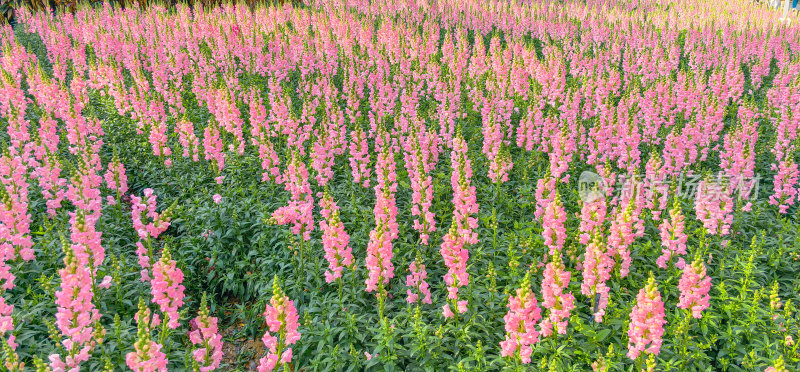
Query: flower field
(413, 185)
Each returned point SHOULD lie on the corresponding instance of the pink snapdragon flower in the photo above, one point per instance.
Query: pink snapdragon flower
(593, 214)
(116, 179)
(465, 201)
(557, 299)
(190, 144)
(521, 320)
(281, 317)
(554, 233)
(335, 240)
(76, 315)
(298, 212)
(647, 322)
(597, 265)
(673, 238)
(205, 335)
(379, 259)
(213, 148)
(455, 257)
(417, 286)
(714, 207)
(359, 157)
(786, 188)
(694, 286)
(147, 355)
(166, 287)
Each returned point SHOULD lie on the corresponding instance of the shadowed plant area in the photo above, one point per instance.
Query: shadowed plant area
(414, 185)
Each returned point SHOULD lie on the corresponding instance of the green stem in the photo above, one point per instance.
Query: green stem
(302, 261)
(164, 330)
(341, 300)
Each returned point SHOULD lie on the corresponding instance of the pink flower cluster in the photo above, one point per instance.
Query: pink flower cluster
(188, 139)
(385, 209)
(205, 335)
(417, 286)
(597, 266)
(465, 201)
(593, 214)
(359, 157)
(455, 257)
(420, 158)
(521, 320)
(647, 322)
(714, 206)
(694, 286)
(379, 259)
(335, 240)
(281, 317)
(142, 211)
(557, 299)
(76, 315)
(785, 183)
(673, 238)
(298, 212)
(116, 179)
(167, 289)
(147, 355)
(555, 232)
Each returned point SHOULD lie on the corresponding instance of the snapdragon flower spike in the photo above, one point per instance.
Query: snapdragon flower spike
(260, 134)
(359, 156)
(147, 355)
(385, 209)
(464, 195)
(15, 219)
(647, 322)
(190, 144)
(714, 207)
(597, 265)
(281, 317)
(554, 232)
(157, 223)
(620, 237)
(673, 238)
(76, 315)
(166, 288)
(142, 211)
(655, 187)
(115, 176)
(419, 163)
(418, 290)
(84, 192)
(593, 215)
(694, 286)
(786, 188)
(335, 240)
(455, 257)
(494, 145)
(213, 148)
(205, 336)
(556, 298)
(48, 169)
(520, 323)
(379, 259)
(299, 210)
(545, 193)
(158, 141)
(322, 156)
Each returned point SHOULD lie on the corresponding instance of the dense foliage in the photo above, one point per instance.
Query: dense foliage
(401, 185)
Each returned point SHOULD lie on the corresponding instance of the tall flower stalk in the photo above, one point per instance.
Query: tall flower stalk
(281, 317)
